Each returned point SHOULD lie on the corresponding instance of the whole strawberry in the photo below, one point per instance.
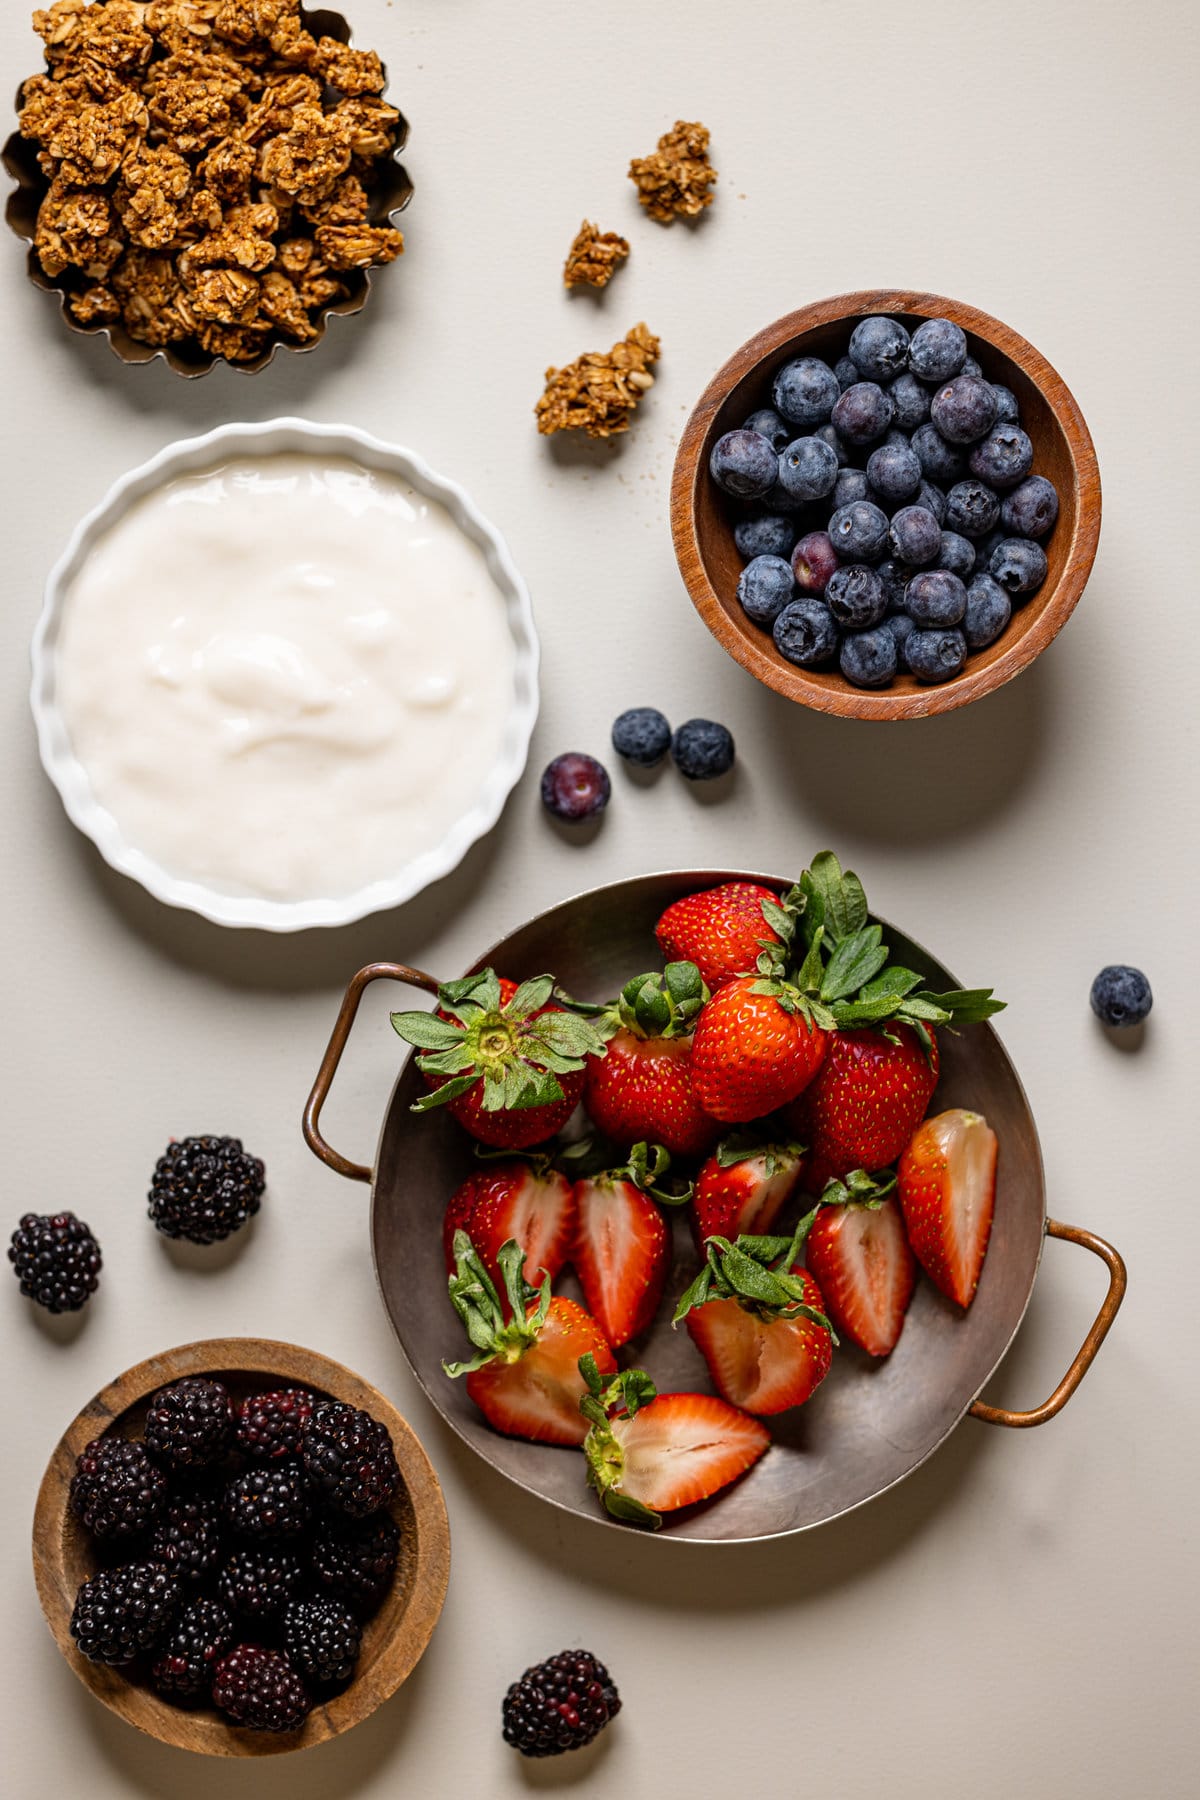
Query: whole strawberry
(721, 930)
(869, 1098)
(642, 1089)
(757, 1045)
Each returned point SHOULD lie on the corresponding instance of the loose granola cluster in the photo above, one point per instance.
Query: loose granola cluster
(599, 390)
(210, 166)
(594, 257)
(676, 177)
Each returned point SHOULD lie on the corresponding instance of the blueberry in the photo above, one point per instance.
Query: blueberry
(846, 372)
(814, 560)
(935, 655)
(1121, 995)
(854, 595)
(910, 400)
(851, 485)
(1003, 457)
(956, 554)
(641, 735)
(702, 749)
(894, 577)
(988, 611)
(933, 500)
(764, 588)
(869, 658)
(1019, 565)
(863, 413)
(964, 409)
(808, 469)
(915, 537)
(935, 597)
(767, 423)
(1007, 410)
(804, 391)
(575, 787)
(777, 500)
(971, 508)
(938, 350)
(879, 348)
(767, 534)
(805, 633)
(743, 463)
(1031, 509)
(940, 461)
(900, 625)
(971, 367)
(986, 545)
(859, 531)
(894, 471)
(828, 435)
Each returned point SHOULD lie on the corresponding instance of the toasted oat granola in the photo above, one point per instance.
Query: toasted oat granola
(210, 168)
(675, 179)
(594, 257)
(599, 390)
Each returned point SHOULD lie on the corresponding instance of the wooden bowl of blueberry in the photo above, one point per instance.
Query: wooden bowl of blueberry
(886, 505)
(241, 1547)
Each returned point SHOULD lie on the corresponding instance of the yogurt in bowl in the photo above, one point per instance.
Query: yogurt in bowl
(285, 675)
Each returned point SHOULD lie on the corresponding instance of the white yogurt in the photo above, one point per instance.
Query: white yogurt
(286, 675)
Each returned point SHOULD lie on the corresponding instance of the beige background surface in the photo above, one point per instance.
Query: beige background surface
(1020, 1617)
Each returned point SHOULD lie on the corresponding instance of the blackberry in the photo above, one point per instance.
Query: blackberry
(190, 1423)
(356, 1561)
(56, 1260)
(560, 1704)
(187, 1539)
(349, 1459)
(268, 1503)
(121, 1612)
(272, 1425)
(322, 1640)
(260, 1689)
(205, 1188)
(258, 1580)
(203, 1634)
(116, 1490)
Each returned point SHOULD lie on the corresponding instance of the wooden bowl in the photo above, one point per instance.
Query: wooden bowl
(394, 1638)
(702, 522)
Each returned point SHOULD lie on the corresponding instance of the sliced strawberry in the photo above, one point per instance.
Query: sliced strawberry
(742, 1188)
(766, 1365)
(721, 930)
(621, 1254)
(460, 1209)
(859, 1254)
(533, 1204)
(947, 1181)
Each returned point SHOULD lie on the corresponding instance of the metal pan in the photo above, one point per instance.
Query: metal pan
(870, 1424)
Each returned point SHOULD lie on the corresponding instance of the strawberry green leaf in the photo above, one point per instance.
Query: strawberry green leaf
(530, 997)
(843, 904)
(566, 1034)
(967, 1006)
(893, 980)
(854, 962)
(445, 1091)
(447, 1062)
(858, 1189)
(425, 1031)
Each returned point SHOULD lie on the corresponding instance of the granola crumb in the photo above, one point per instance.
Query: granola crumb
(594, 257)
(674, 180)
(598, 392)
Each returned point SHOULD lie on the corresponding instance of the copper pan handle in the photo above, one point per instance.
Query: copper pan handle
(1073, 1234)
(338, 1037)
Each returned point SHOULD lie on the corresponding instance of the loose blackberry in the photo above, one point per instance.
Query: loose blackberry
(260, 1689)
(203, 1634)
(205, 1188)
(121, 1612)
(349, 1459)
(187, 1539)
(116, 1490)
(322, 1640)
(560, 1704)
(357, 1561)
(272, 1425)
(56, 1260)
(259, 1580)
(190, 1423)
(268, 1503)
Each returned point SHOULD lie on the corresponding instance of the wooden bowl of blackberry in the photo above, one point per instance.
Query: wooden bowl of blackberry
(807, 445)
(241, 1548)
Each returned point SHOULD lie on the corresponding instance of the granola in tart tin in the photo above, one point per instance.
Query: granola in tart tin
(205, 179)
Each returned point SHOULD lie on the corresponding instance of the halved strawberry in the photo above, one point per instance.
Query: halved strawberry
(721, 930)
(525, 1376)
(651, 1453)
(860, 1256)
(622, 1248)
(743, 1186)
(866, 1101)
(756, 1316)
(642, 1089)
(756, 1046)
(947, 1181)
(532, 1203)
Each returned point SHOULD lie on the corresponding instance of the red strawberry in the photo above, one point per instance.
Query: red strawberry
(742, 1188)
(859, 1254)
(867, 1100)
(754, 1050)
(651, 1453)
(622, 1248)
(522, 1199)
(525, 1376)
(721, 930)
(459, 1210)
(762, 1363)
(642, 1089)
(947, 1179)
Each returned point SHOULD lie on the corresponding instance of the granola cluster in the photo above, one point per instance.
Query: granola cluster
(676, 178)
(599, 390)
(594, 257)
(210, 166)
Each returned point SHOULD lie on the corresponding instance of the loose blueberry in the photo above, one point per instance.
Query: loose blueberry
(894, 577)
(1003, 457)
(1019, 565)
(859, 531)
(851, 485)
(971, 367)
(933, 500)
(814, 560)
(764, 588)
(940, 461)
(915, 537)
(828, 435)
(935, 655)
(641, 735)
(938, 350)
(964, 410)
(767, 423)
(777, 500)
(808, 469)
(986, 546)
(854, 595)
(956, 554)
(767, 534)
(869, 658)
(896, 435)
(805, 633)
(863, 413)
(910, 400)
(988, 611)
(1121, 995)
(900, 625)
(971, 508)
(702, 749)
(894, 471)
(846, 372)
(879, 348)
(1007, 410)
(744, 464)
(575, 787)
(1031, 509)
(935, 597)
(804, 391)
